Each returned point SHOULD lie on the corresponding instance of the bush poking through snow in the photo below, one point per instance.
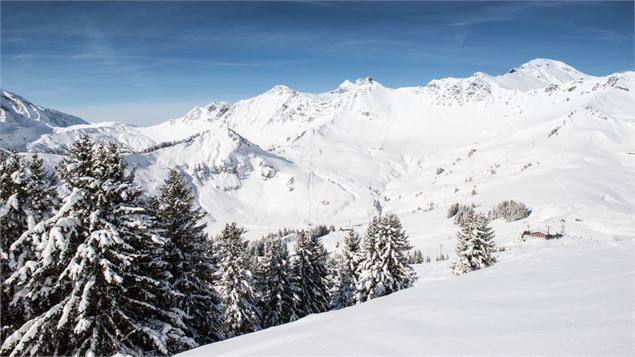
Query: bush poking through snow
(453, 210)
(510, 211)
(462, 212)
(416, 257)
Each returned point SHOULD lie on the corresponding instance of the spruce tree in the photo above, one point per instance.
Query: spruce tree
(42, 191)
(13, 195)
(195, 304)
(344, 291)
(27, 195)
(97, 279)
(384, 268)
(235, 284)
(370, 263)
(332, 268)
(11, 226)
(475, 245)
(310, 275)
(278, 299)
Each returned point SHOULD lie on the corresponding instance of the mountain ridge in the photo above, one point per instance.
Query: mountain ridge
(328, 157)
(282, 104)
(22, 122)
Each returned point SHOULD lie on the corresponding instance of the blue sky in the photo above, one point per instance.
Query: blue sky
(145, 62)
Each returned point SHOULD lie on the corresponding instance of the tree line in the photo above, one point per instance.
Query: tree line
(99, 267)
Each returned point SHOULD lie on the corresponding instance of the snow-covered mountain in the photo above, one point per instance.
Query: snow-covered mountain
(543, 133)
(22, 122)
(133, 138)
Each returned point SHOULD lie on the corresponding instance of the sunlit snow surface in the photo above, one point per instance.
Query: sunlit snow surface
(556, 139)
(564, 297)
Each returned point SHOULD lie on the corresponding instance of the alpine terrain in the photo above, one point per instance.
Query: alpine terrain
(558, 142)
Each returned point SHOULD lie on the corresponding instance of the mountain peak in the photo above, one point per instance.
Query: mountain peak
(280, 89)
(547, 71)
(366, 82)
(545, 62)
(22, 121)
(207, 113)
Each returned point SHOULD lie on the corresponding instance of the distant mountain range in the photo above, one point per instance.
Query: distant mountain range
(543, 133)
(22, 122)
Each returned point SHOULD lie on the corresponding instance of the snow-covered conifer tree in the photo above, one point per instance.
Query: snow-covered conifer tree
(27, 195)
(195, 304)
(384, 268)
(97, 280)
(310, 275)
(344, 291)
(475, 246)
(278, 299)
(42, 191)
(235, 285)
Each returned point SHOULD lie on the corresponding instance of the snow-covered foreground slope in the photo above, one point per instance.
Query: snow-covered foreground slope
(545, 134)
(572, 296)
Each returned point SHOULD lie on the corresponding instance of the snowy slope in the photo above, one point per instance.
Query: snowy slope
(565, 297)
(544, 133)
(133, 138)
(369, 142)
(22, 122)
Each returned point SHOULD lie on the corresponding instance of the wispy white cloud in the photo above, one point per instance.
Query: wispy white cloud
(113, 58)
(600, 34)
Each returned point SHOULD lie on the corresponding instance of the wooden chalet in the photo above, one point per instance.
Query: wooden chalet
(538, 235)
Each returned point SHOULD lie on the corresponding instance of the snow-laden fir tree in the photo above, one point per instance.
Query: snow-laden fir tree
(475, 246)
(310, 274)
(97, 284)
(344, 291)
(235, 284)
(27, 195)
(277, 299)
(254, 254)
(384, 266)
(42, 190)
(332, 268)
(195, 304)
